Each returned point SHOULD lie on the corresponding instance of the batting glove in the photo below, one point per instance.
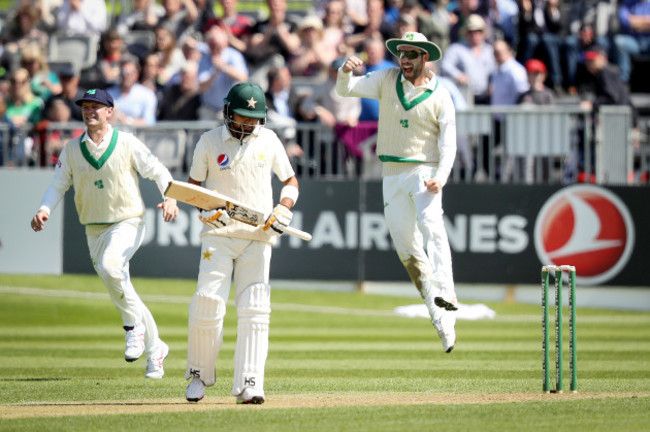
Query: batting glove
(279, 220)
(217, 218)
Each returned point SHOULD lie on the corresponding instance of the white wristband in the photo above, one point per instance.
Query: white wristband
(290, 192)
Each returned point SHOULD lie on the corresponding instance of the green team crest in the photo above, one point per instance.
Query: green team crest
(404, 123)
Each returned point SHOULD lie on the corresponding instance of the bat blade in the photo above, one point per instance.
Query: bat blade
(207, 199)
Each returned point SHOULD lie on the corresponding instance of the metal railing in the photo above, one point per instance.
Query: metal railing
(531, 145)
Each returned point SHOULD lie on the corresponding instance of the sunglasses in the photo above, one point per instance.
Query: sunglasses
(411, 55)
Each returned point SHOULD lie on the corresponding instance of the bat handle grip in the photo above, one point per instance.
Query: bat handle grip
(298, 233)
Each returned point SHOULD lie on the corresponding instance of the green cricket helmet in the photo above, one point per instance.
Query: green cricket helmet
(245, 99)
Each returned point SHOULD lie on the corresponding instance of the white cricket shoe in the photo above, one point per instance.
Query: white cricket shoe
(134, 343)
(445, 325)
(155, 368)
(195, 390)
(250, 396)
(448, 340)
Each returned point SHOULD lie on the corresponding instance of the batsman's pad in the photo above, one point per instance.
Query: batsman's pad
(253, 310)
(205, 336)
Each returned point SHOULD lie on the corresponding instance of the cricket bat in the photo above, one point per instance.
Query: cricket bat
(209, 200)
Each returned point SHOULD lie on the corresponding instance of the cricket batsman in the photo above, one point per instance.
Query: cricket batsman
(417, 145)
(237, 160)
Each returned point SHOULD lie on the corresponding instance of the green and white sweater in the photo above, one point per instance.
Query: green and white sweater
(416, 124)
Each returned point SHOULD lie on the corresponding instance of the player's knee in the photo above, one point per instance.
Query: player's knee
(110, 267)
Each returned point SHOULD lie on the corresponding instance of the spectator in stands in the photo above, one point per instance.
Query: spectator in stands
(82, 17)
(461, 13)
(575, 49)
(538, 93)
(339, 115)
(606, 87)
(171, 56)
(471, 63)
(206, 15)
(436, 33)
(376, 27)
(275, 35)
(510, 80)
(135, 104)
(393, 11)
(219, 69)
(597, 15)
(179, 16)
(540, 26)
(357, 12)
(334, 28)
(181, 101)
(43, 81)
(47, 10)
(151, 75)
(505, 15)
(70, 92)
(312, 58)
(238, 27)
(24, 29)
(50, 142)
(23, 108)
(112, 52)
(634, 40)
(192, 48)
(405, 24)
(441, 20)
(282, 103)
(142, 17)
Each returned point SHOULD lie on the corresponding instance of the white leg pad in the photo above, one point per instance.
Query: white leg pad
(205, 336)
(254, 310)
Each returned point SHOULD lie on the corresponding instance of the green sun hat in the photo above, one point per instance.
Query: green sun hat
(247, 99)
(417, 40)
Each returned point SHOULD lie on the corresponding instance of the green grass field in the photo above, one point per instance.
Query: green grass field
(337, 362)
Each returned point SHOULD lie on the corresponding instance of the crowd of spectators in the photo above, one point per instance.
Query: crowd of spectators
(494, 52)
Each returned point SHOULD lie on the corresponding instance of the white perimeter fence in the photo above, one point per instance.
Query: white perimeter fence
(522, 144)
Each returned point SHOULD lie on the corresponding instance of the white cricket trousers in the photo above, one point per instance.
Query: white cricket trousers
(245, 264)
(414, 219)
(110, 252)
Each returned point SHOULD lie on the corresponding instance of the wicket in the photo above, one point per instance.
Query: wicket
(557, 270)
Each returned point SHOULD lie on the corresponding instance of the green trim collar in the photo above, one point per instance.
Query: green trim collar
(98, 163)
(402, 97)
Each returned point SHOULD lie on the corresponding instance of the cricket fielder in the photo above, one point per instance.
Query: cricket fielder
(103, 166)
(237, 160)
(417, 145)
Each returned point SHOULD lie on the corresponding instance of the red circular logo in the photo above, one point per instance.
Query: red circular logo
(587, 227)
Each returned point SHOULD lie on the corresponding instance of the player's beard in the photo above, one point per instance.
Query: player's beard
(240, 131)
(414, 69)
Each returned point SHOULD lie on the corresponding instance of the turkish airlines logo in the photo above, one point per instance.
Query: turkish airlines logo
(588, 227)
